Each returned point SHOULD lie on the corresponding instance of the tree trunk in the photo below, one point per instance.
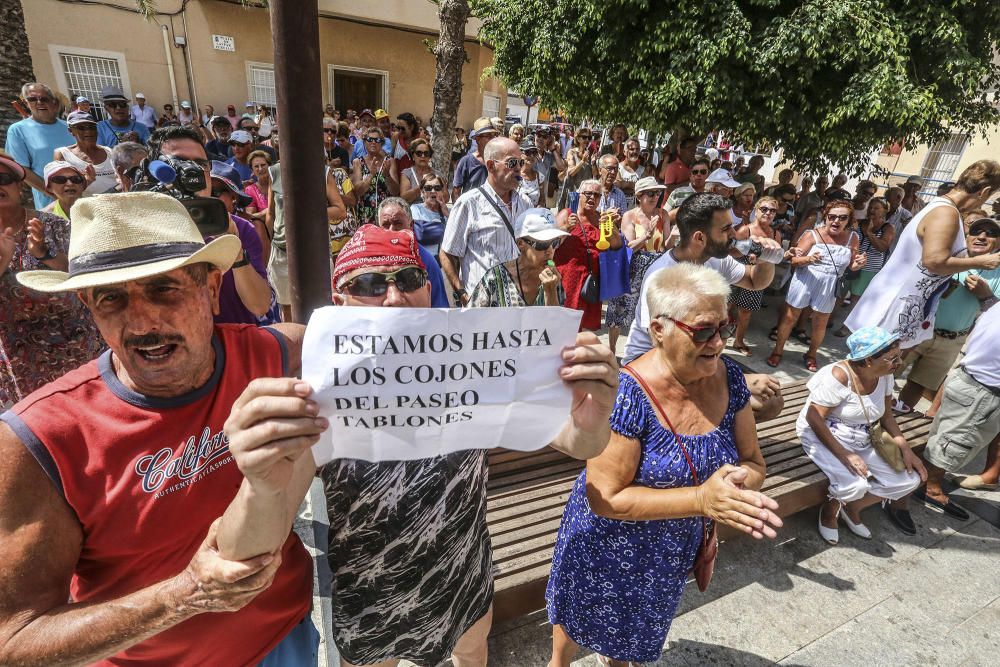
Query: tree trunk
(15, 62)
(450, 56)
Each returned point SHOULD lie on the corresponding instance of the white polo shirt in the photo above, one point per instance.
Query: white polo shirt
(981, 359)
(639, 341)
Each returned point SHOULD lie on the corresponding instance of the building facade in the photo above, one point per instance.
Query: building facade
(219, 52)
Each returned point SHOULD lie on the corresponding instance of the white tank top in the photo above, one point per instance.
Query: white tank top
(903, 297)
(105, 171)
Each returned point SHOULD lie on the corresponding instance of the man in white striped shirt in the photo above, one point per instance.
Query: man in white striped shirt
(480, 230)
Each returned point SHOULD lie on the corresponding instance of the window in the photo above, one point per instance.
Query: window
(941, 161)
(86, 75)
(260, 84)
(491, 106)
(357, 88)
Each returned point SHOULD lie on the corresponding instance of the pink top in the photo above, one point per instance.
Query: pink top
(259, 198)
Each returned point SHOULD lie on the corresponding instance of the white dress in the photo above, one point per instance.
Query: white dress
(815, 285)
(104, 171)
(847, 422)
(903, 297)
(628, 176)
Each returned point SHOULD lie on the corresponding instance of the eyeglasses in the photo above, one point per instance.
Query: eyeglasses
(514, 163)
(116, 105)
(590, 195)
(328, 130)
(7, 179)
(423, 153)
(35, 99)
(373, 140)
(837, 218)
(704, 334)
(433, 188)
(699, 172)
(767, 209)
(543, 245)
(408, 279)
(76, 179)
(584, 136)
(609, 167)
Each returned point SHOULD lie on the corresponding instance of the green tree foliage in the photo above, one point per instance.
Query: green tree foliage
(827, 80)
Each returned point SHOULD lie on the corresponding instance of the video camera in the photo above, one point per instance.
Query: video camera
(182, 179)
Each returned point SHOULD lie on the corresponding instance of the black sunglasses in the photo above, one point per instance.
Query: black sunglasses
(408, 279)
(76, 179)
(704, 334)
(423, 153)
(373, 140)
(543, 245)
(837, 218)
(767, 209)
(433, 188)
(7, 179)
(116, 105)
(35, 100)
(328, 130)
(513, 163)
(699, 172)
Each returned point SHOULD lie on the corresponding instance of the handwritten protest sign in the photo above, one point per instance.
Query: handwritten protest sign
(409, 383)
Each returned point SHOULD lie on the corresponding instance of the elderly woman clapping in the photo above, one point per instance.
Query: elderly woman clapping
(683, 455)
(846, 400)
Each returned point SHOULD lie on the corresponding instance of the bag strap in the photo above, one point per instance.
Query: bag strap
(586, 247)
(853, 379)
(656, 403)
(500, 212)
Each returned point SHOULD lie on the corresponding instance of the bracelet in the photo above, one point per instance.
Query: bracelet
(243, 261)
(47, 256)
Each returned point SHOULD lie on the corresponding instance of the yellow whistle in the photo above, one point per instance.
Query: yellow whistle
(607, 229)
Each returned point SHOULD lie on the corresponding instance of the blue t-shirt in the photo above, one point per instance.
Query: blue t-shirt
(31, 144)
(470, 173)
(958, 311)
(245, 172)
(109, 135)
(439, 296)
(428, 225)
(360, 151)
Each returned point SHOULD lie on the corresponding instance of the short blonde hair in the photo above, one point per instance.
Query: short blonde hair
(589, 181)
(676, 291)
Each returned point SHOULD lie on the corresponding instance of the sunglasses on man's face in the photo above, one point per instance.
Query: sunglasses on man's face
(7, 179)
(407, 280)
(543, 245)
(373, 140)
(76, 179)
(422, 153)
(513, 163)
(36, 99)
(116, 105)
(240, 144)
(699, 172)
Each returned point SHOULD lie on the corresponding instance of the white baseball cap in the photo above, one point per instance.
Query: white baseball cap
(140, 96)
(185, 105)
(723, 177)
(539, 224)
(54, 167)
(241, 137)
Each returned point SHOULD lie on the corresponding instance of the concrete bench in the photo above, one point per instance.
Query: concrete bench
(528, 491)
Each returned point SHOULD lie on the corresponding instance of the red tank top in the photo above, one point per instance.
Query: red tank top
(146, 477)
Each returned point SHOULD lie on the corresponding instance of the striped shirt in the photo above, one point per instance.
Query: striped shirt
(613, 199)
(477, 235)
(876, 257)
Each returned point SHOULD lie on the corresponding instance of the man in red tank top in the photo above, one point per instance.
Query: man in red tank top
(113, 478)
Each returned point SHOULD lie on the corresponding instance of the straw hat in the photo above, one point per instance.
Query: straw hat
(122, 237)
(646, 184)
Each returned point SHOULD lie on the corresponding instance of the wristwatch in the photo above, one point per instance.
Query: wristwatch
(458, 294)
(243, 261)
(48, 255)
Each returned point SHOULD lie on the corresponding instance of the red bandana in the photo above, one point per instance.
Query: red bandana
(373, 246)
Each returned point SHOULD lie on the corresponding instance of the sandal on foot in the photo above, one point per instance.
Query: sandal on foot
(773, 334)
(774, 360)
(801, 336)
(842, 332)
(744, 349)
(810, 363)
(901, 408)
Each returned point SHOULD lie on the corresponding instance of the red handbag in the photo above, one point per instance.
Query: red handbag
(708, 550)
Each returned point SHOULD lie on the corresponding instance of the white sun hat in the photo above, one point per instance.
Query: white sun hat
(122, 237)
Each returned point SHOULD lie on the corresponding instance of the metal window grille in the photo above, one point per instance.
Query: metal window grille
(491, 106)
(942, 159)
(262, 85)
(86, 75)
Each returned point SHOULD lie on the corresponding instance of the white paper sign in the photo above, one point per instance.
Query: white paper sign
(410, 383)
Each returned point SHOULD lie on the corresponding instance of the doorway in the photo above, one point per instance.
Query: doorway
(355, 88)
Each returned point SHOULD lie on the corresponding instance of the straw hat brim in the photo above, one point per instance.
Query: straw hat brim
(221, 252)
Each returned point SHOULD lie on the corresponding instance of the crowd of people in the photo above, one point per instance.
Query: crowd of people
(141, 354)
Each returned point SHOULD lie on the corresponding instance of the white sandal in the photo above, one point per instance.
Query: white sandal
(830, 535)
(859, 529)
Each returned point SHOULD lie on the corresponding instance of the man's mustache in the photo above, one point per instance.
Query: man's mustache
(153, 340)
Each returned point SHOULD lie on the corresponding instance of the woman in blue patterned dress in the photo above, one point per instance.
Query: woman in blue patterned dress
(635, 517)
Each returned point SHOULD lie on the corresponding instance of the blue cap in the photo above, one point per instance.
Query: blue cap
(228, 176)
(867, 341)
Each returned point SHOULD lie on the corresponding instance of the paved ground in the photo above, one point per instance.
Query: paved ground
(928, 600)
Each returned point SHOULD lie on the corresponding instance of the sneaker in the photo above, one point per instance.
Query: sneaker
(951, 508)
(901, 519)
